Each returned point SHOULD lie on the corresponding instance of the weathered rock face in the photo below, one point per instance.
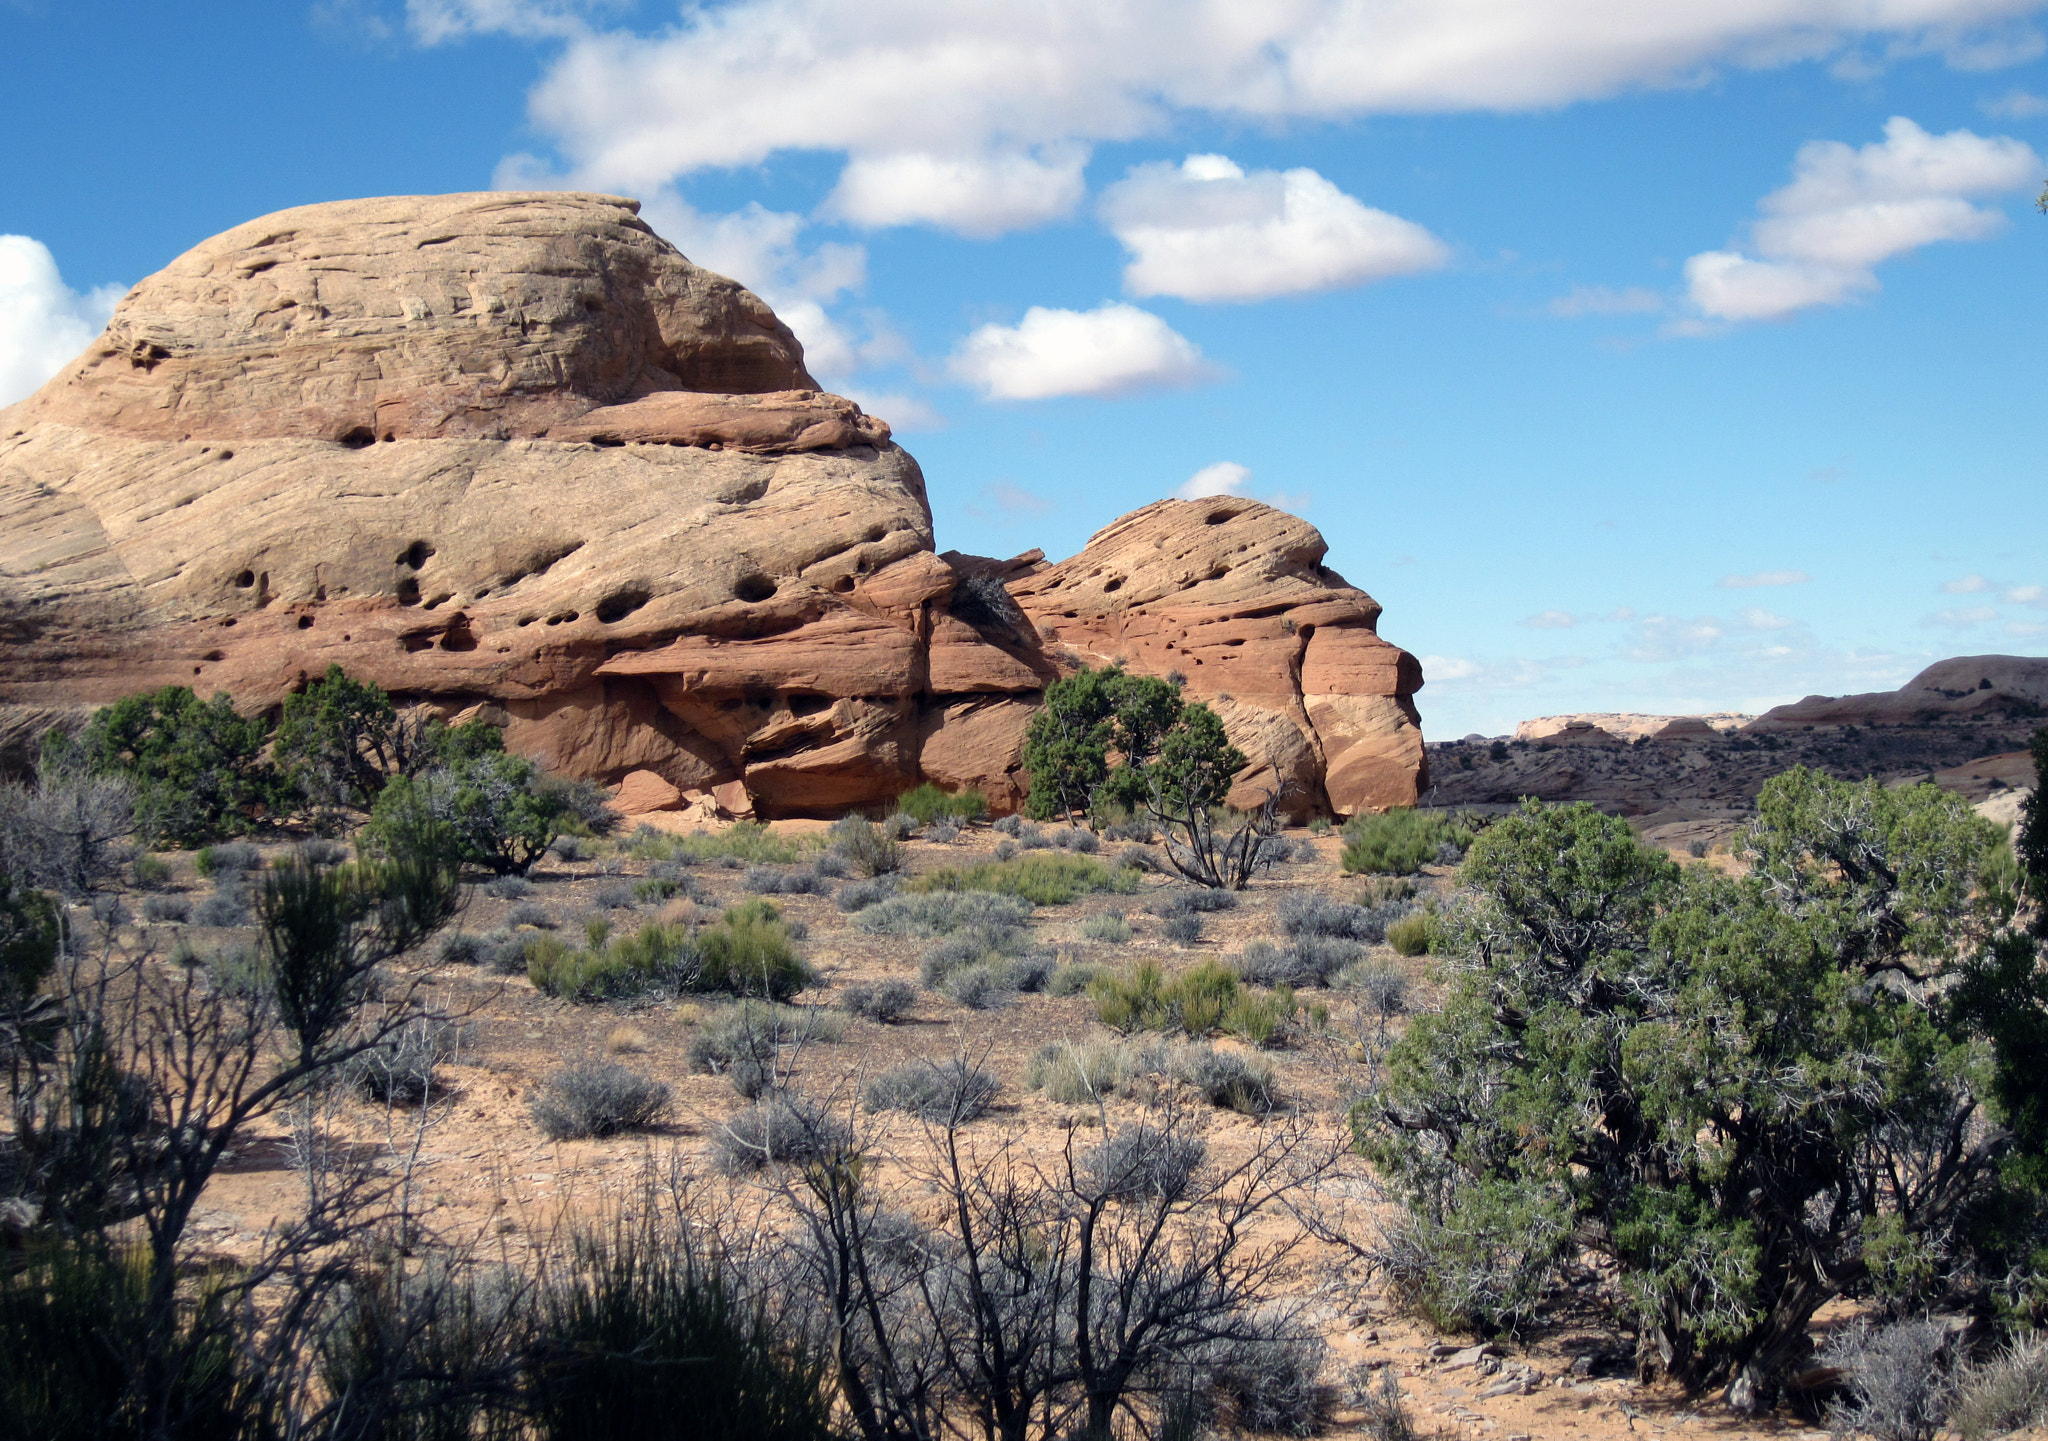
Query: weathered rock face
(514, 454)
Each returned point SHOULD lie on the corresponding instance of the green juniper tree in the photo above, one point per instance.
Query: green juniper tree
(1752, 1094)
(1110, 740)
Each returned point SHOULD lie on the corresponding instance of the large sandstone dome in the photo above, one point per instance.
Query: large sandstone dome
(514, 454)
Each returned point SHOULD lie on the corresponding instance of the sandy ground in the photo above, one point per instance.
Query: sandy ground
(486, 1174)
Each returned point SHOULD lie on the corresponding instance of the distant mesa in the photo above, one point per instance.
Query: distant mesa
(1982, 686)
(512, 455)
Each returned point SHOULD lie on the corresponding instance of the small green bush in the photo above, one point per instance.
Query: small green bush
(748, 953)
(1402, 842)
(150, 872)
(1042, 878)
(1201, 999)
(929, 803)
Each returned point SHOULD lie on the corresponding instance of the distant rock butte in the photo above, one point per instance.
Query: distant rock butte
(1967, 686)
(512, 455)
(1627, 726)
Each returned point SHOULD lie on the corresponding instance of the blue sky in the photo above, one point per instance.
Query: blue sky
(1654, 357)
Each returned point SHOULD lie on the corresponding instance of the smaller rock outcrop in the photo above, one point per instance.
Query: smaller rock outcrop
(1233, 596)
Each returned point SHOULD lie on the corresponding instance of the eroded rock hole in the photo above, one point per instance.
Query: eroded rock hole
(753, 589)
(1216, 517)
(808, 705)
(408, 591)
(1116, 584)
(305, 622)
(621, 603)
(358, 438)
(415, 555)
(246, 579)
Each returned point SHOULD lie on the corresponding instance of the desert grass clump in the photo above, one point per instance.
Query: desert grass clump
(1310, 914)
(1230, 1079)
(884, 1002)
(1203, 998)
(940, 913)
(531, 913)
(780, 1131)
(1042, 879)
(745, 1042)
(928, 804)
(230, 858)
(1076, 838)
(1182, 930)
(1402, 842)
(746, 843)
(1194, 900)
(951, 1093)
(402, 1070)
(869, 849)
(768, 881)
(859, 895)
(597, 1098)
(227, 907)
(508, 888)
(1108, 927)
(461, 949)
(1896, 1384)
(149, 872)
(1141, 1160)
(2008, 1392)
(1412, 935)
(1306, 961)
(1072, 978)
(1081, 1073)
(616, 896)
(1268, 1373)
(166, 908)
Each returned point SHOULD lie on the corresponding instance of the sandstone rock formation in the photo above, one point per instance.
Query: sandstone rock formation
(513, 455)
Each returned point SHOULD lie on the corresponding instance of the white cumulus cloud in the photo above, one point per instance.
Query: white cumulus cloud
(1847, 210)
(43, 322)
(1206, 230)
(1112, 350)
(976, 195)
(976, 116)
(1225, 477)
